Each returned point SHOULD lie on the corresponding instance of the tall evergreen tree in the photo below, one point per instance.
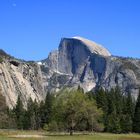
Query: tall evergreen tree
(19, 113)
(118, 101)
(128, 113)
(130, 106)
(37, 115)
(114, 112)
(126, 123)
(31, 117)
(101, 99)
(41, 114)
(48, 107)
(136, 120)
(102, 103)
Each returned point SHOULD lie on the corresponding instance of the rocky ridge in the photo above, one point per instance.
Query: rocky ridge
(77, 61)
(18, 78)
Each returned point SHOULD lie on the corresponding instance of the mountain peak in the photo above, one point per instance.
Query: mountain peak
(93, 46)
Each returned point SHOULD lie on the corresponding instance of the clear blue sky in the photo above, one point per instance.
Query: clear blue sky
(30, 29)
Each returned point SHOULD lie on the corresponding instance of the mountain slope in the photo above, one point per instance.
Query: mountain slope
(77, 61)
(19, 78)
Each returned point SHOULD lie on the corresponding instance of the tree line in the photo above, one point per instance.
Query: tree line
(73, 110)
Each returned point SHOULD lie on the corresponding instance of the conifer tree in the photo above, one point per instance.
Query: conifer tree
(41, 114)
(136, 120)
(32, 115)
(130, 106)
(128, 113)
(19, 113)
(114, 111)
(126, 123)
(101, 99)
(37, 115)
(48, 107)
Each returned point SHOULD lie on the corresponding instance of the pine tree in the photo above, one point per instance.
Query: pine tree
(126, 123)
(31, 110)
(101, 99)
(41, 114)
(128, 113)
(19, 113)
(37, 115)
(136, 120)
(48, 107)
(130, 106)
(118, 101)
(114, 111)
(26, 121)
(31, 117)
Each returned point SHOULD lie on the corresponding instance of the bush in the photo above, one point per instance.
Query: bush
(52, 126)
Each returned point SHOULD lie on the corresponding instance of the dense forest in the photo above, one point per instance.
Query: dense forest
(73, 110)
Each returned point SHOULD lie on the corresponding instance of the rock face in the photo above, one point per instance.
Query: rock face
(20, 78)
(94, 47)
(77, 61)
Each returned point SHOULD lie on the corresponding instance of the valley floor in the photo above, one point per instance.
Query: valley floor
(42, 135)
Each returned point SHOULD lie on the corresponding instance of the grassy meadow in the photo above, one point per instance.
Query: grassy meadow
(37, 135)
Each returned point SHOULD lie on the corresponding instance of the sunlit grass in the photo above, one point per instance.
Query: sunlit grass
(42, 135)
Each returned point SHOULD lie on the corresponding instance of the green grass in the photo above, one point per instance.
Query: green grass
(10, 135)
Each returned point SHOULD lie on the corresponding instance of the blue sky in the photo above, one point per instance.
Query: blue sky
(30, 29)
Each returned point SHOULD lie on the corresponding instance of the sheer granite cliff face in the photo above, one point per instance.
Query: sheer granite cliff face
(77, 61)
(22, 79)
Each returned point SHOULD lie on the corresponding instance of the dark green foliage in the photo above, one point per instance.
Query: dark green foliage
(101, 99)
(130, 106)
(118, 110)
(127, 114)
(126, 123)
(45, 110)
(102, 102)
(113, 123)
(48, 107)
(6, 121)
(114, 111)
(31, 116)
(136, 121)
(36, 115)
(41, 114)
(19, 113)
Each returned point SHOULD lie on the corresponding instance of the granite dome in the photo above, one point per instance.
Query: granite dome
(94, 47)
